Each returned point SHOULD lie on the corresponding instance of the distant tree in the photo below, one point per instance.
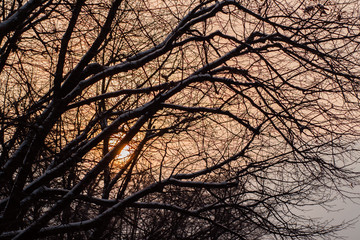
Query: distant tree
(176, 119)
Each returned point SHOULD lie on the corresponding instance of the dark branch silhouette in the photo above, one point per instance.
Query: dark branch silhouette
(176, 119)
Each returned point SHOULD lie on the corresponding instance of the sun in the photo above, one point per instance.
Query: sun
(122, 157)
(125, 153)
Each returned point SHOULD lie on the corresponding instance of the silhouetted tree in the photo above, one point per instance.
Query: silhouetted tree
(176, 119)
